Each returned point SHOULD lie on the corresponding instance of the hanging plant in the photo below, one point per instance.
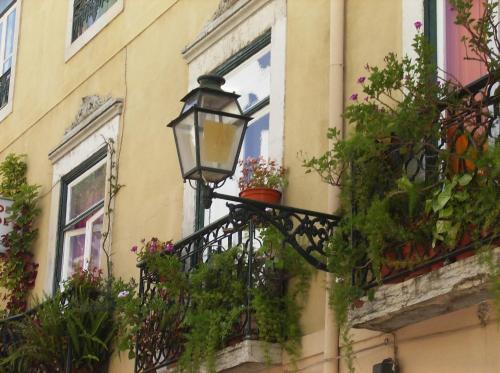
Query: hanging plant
(403, 192)
(17, 268)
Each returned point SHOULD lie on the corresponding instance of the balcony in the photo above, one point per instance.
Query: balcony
(4, 88)
(425, 281)
(86, 12)
(243, 351)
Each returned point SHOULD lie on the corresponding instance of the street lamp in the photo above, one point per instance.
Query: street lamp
(209, 132)
(208, 135)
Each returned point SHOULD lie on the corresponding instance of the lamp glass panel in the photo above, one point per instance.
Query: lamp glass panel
(219, 102)
(186, 143)
(219, 140)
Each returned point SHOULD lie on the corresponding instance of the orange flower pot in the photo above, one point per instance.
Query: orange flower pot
(266, 195)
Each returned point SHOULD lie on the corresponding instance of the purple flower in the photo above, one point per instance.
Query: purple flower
(123, 294)
(134, 249)
(366, 98)
(354, 97)
(361, 79)
(418, 25)
(169, 248)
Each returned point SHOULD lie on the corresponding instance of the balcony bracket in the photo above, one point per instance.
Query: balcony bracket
(306, 231)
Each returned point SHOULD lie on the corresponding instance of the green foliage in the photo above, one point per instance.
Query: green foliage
(17, 268)
(219, 297)
(79, 319)
(399, 185)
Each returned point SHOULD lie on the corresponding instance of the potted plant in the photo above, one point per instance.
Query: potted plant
(262, 180)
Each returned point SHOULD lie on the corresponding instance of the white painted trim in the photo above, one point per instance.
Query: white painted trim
(73, 47)
(78, 180)
(92, 123)
(441, 37)
(220, 40)
(67, 237)
(413, 10)
(7, 109)
(67, 159)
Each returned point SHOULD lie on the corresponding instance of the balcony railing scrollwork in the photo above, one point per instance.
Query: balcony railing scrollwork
(86, 12)
(4, 88)
(306, 231)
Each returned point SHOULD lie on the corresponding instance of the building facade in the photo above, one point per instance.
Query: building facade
(81, 76)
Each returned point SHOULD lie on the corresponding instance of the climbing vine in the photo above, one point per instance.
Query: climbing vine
(18, 270)
(405, 195)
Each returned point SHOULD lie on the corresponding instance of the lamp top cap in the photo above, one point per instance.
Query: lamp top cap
(211, 81)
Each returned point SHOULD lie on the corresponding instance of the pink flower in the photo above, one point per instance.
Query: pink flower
(169, 248)
(354, 97)
(361, 79)
(366, 98)
(134, 249)
(418, 25)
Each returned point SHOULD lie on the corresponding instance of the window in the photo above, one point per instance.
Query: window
(86, 12)
(81, 168)
(245, 42)
(81, 215)
(86, 18)
(248, 73)
(455, 52)
(8, 45)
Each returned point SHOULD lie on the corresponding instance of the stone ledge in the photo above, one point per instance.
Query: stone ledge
(450, 288)
(245, 357)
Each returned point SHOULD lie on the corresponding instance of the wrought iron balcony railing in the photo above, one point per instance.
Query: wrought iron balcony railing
(10, 336)
(4, 88)
(239, 228)
(86, 12)
(466, 133)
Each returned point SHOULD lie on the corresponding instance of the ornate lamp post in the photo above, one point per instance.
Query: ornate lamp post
(208, 135)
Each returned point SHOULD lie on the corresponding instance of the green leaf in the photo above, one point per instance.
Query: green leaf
(465, 179)
(441, 200)
(446, 212)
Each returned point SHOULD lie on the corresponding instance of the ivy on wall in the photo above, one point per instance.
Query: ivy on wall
(18, 270)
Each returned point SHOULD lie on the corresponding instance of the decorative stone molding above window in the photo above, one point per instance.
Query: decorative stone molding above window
(94, 112)
(450, 288)
(224, 5)
(234, 24)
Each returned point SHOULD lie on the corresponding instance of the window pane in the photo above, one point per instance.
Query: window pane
(4, 4)
(251, 80)
(9, 41)
(75, 253)
(86, 12)
(256, 138)
(95, 243)
(87, 192)
(457, 65)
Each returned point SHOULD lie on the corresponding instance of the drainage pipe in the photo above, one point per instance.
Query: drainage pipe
(336, 107)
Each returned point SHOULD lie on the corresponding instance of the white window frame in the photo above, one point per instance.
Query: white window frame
(76, 181)
(88, 242)
(72, 47)
(223, 37)
(7, 109)
(83, 141)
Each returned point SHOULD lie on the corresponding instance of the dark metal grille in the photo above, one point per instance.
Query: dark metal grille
(306, 231)
(4, 88)
(9, 335)
(463, 132)
(86, 12)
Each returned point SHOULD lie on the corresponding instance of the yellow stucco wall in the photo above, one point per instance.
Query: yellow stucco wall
(138, 57)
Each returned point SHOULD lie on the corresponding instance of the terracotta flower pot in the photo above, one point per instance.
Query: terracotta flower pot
(266, 195)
